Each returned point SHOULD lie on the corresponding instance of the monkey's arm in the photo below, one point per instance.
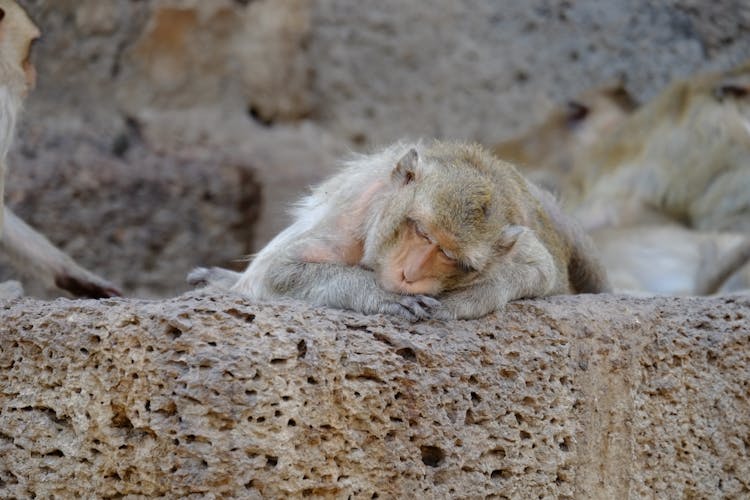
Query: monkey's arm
(33, 254)
(339, 286)
(481, 299)
(528, 270)
(375, 301)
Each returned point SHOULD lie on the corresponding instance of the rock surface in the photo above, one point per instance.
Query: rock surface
(566, 397)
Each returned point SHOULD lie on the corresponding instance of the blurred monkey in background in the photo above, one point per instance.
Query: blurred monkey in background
(684, 157)
(28, 250)
(663, 190)
(547, 152)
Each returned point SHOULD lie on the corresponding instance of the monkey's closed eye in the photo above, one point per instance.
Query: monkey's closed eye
(448, 255)
(732, 91)
(418, 230)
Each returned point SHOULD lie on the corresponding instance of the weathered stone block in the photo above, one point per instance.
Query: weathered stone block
(566, 397)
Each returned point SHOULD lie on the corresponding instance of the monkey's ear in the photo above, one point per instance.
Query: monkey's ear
(508, 236)
(406, 168)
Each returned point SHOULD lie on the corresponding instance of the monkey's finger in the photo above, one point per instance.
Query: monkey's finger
(399, 310)
(416, 306)
(429, 303)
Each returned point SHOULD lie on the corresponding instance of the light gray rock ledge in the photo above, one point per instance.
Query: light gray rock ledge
(567, 397)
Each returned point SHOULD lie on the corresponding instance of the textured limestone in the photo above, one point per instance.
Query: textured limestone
(567, 397)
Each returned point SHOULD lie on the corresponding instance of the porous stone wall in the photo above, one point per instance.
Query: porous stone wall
(565, 397)
(284, 87)
(142, 218)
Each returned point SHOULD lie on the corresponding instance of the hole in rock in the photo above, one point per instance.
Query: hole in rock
(432, 456)
(247, 317)
(120, 418)
(173, 332)
(408, 354)
(475, 399)
(301, 349)
(500, 474)
(565, 444)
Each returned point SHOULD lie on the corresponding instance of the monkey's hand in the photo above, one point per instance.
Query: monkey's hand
(529, 271)
(413, 307)
(213, 276)
(333, 285)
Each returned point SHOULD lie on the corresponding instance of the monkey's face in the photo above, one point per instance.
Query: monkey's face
(569, 129)
(420, 259)
(732, 93)
(438, 229)
(597, 113)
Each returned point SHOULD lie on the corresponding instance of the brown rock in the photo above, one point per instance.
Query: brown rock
(141, 219)
(567, 397)
(190, 56)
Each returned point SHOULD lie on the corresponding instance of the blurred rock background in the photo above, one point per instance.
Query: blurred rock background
(165, 134)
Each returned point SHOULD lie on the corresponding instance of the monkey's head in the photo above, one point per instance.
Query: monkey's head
(717, 102)
(444, 224)
(585, 120)
(569, 128)
(17, 35)
(732, 90)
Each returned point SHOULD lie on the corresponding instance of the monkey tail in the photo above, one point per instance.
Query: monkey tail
(586, 273)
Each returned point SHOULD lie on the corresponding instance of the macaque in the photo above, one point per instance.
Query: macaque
(673, 260)
(666, 193)
(443, 230)
(546, 153)
(31, 252)
(682, 158)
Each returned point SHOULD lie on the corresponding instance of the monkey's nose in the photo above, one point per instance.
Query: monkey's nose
(410, 277)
